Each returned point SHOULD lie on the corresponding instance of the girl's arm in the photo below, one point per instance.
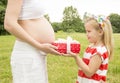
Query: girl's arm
(89, 69)
(92, 67)
(11, 25)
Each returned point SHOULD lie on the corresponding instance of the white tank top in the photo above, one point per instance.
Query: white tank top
(31, 9)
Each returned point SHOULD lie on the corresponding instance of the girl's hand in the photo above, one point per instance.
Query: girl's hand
(48, 48)
(70, 54)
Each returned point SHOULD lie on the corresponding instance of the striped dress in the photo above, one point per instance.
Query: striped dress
(100, 74)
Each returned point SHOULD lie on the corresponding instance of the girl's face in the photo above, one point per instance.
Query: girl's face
(92, 34)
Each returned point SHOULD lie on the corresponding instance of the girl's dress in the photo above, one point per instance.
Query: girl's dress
(100, 74)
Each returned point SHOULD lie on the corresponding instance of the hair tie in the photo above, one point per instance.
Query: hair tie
(100, 19)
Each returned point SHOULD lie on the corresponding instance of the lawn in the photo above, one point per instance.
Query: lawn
(60, 69)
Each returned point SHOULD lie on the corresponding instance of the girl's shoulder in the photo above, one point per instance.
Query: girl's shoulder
(93, 50)
(96, 50)
(100, 48)
(101, 51)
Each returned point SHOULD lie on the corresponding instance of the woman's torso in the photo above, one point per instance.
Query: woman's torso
(32, 20)
(40, 29)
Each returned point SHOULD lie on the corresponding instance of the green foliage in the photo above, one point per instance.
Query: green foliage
(47, 17)
(71, 20)
(3, 2)
(115, 21)
(70, 13)
(57, 26)
(2, 14)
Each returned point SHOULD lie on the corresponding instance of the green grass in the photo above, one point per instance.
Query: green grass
(60, 69)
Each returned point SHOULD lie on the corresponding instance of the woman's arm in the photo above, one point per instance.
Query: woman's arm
(11, 25)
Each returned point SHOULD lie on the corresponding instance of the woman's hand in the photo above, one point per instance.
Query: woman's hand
(49, 48)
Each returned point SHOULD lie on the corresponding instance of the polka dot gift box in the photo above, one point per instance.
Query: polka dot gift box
(68, 45)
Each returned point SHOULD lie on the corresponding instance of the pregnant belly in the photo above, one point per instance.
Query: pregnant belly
(40, 29)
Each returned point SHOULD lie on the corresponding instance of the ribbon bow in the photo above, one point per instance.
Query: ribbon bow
(67, 45)
(100, 19)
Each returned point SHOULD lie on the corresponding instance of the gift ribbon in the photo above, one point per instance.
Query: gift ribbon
(69, 40)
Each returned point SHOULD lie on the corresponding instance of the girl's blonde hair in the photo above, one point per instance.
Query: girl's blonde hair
(107, 32)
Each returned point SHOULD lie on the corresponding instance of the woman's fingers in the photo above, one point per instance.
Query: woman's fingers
(54, 47)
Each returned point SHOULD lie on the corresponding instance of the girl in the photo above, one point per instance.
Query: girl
(25, 20)
(94, 65)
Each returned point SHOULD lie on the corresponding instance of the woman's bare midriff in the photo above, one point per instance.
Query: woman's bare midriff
(40, 29)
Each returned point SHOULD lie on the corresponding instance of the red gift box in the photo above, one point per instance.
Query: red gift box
(65, 47)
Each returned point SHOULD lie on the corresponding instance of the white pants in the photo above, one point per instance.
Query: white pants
(28, 64)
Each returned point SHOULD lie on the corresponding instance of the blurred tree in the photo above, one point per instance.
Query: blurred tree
(115, 21)
(57, 26)
(47, 17)
(2, 13)
(3, 2)
(71, 20)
